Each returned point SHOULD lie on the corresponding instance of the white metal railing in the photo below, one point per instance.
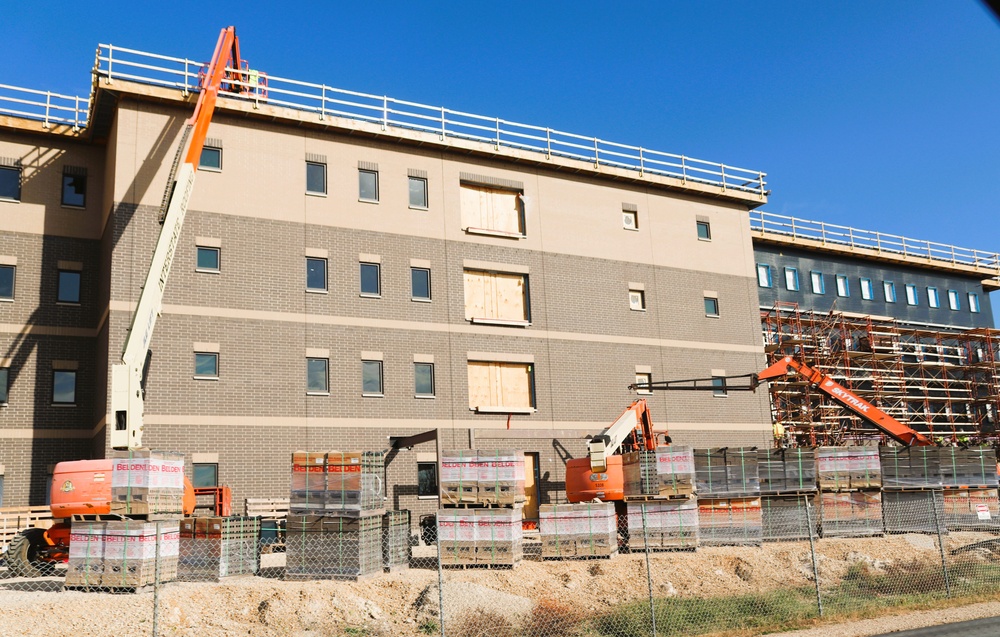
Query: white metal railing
(325, 101)
(51, 108)
(769, 223)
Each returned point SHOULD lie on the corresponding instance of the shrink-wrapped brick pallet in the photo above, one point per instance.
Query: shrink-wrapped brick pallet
(730, 521)
(498, 537)
(667, 471)
(847, 468)
(967, 468)
(484, 476)
(726, 472)
(913, 511)
(121, 554)
(396, 540)
(911, 467)
(972, 510)
(581, 530)
(147, 483)
(788, 517)
(668, 524)
(337, 483)
(850, 514)
(457, 536)
(215, 548)
(786, 470)
(332, 547)
(459, 479)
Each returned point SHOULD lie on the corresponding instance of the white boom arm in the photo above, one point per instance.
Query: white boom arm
(610, 440)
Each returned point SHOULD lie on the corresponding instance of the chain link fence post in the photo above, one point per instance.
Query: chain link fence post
(437, 541)
(812, 551)
(649, 572)
(156, 584)
(944, 562)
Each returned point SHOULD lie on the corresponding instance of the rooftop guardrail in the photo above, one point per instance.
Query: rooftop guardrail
(128, 64)
(45, 106)
(766, 223)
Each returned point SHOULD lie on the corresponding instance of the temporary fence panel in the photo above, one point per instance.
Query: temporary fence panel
(971, 510)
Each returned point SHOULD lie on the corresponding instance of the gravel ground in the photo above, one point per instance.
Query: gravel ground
(896, 623)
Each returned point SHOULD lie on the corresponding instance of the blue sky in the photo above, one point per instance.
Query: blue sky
(881, 115)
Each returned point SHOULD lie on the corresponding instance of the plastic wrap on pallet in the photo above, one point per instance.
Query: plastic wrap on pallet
(147, 482)
(669, 524)
(726, 472)
(730, 521)
(913, 511)
(846, 468)
(308, 493)
(665, 471)
(218, 547)
(459, 476)
(972, 510)
(974, 467)
(498, 536)
(910, 467)
(786, 470)
(850, 514)
(86, 554)
(586, 529)
(320, 547)
(396, 549)
(337, 483)
(788, 517)
(121, 554)
(500, 476)
(457, 536)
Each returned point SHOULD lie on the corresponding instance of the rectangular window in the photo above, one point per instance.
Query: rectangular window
(315, 178)
(643, 379)
(69, 286)
(911, 294)
(420, 284)
(206, 365)
(7, 282)
(792, 279)
(317, 375)
(889, 289)
(933, 299)
(953, 301)
(64, 387)
(843, 286)
(208, 259)
(818, 285)
(630, 219)
(10, 183)
(711, 306)
(492, 210)
(496, 296)
(368, 185)
(371, 378)
(763, 275)
(719, 386)
(4, 384)
(496, 386)
(704, 230)
(211, 159)
(427, 482)
(370, 283)
(973, 303)
(637, 300)
(74, 187)
(418, 192)
(205, 474)
(315, 274)
(867, 289)
(423, 379)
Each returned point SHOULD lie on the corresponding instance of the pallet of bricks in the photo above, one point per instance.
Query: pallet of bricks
(142, 547)
(212, 548)
(396, 547)
(334, 526)
(482, 493)
(788, 488)
(849, 500)
(661, 510)
(728, 488)
(578, 531)
(969, 479)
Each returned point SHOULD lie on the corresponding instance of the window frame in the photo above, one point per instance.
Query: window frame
(867, 289)
(325, 190)
(73, 374)
(954, 301)
(206, 167)
(416, 390)
(311, 391)
(843, 286)
(714, 301)
(974, 307)
(381, 379)
(816, 280)
(793, 285)
(933, 297)
(212, 355)
(912, 295)
(708, 230)
(630, 220)
(218, 259)
(641, 295)
(326, 277)
(194, 473)
(889, 291)
(719, 387)
(19, 171)
(434, 487)
(491, 317)
(409, 185)
(768, 280)
(13, 283)
(361, 197)
(467, 223)
(413, 296)
(4, 385)
(59, 286)
(378, 279)
(78, 173)
(644, 378)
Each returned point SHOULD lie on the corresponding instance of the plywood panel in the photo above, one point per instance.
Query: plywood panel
(515, 384)
(474, 202)
(479, 384)
(475, 294)
(530, 509)
(504, 211)
(510, 297)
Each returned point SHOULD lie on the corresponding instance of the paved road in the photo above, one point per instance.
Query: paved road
(989, 627)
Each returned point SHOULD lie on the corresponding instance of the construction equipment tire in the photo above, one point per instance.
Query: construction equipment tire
(24, 554)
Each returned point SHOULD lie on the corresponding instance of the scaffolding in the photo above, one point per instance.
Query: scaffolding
(942, 382)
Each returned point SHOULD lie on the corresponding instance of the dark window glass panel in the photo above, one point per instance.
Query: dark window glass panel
(368, 185)
(418, 192)
(369, 279)
(10, 183)
(423, 374)
(205, 475)
(74, 192)
(318, 376)
(427, 483)
(64, 387)
(315, 178)
(421, 283)
(316, 274)
(211, 158)
(69, 287)
(371, 377)
(208, 258)
(7, 281)
(206, 365)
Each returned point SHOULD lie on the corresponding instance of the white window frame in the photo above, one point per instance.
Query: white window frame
(912, 296)
(708, 230)
(423, 181)
(933, 297)
(374, 173)
(205, 167)
(318, 392)
(954, 302)
(764, 279)
(637, 300)
(218, 252)
(792, 279)
(715, 301)
(214, 376)
(13, 284)
(643, 378)
(974, 303)
(889, 291)
(20, 183)
(326, 276)
(816, 282)
(378, 271)
(326, 175)
(843, 286)
(381, 379)
(433, 391)
(867, 289)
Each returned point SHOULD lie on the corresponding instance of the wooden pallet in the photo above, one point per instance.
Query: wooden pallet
(273, 508)
(659, 498)
(481, 505)
(13, 520)
(481, 566)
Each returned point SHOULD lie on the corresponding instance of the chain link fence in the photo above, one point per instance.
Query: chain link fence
(679, 567)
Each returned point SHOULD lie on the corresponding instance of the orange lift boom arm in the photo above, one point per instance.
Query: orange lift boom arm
(883, 421)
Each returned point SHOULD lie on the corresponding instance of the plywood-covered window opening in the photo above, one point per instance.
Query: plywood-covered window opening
(496, 297)
(496, 387)
(490, 210)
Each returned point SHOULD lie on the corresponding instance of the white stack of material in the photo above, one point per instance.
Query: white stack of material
(459, 479)
(587, 529)
(147, 483)
(500, 476)
(86, 555)
(669, 524)
(457, 536)
(667, 471)
(122, 554)
(498, 537)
